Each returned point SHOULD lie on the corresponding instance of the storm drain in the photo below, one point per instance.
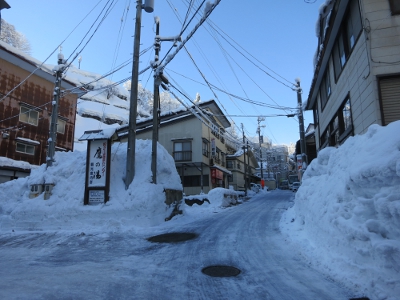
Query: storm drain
(221, 271)
(172, 237)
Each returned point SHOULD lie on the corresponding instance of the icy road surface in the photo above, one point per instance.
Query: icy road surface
(63, 265)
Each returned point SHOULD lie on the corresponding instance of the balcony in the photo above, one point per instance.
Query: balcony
(182, 155)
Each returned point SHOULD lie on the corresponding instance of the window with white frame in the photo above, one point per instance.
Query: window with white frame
(60, 125)
(25, 148)
(183, 151)
(28, 115)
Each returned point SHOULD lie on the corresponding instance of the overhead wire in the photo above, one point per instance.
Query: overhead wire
(201, 52)
(41, 65)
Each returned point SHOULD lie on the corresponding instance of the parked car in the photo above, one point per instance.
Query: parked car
(295, 186)
(255, 187)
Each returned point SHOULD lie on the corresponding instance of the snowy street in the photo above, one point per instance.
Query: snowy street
(125, 265)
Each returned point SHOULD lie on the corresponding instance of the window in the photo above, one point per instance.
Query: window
(316, 115)
(229, 164)
(28, 115)
(24, 148)
(325, 90)
(60, 125)
(340, 127)
(354, 24)
(394, 7)
(347, 37)
(182, 151)
(223, 159)
(205, 150)
(217, 156)
(346, 116)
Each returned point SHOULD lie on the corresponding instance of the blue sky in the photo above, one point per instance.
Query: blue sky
(278, 37)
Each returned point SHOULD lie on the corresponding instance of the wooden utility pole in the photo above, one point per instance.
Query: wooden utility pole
(156, 103)
(244, 162)
(130, 155)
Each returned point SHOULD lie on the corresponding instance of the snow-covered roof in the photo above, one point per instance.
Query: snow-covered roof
(100, 134)
(221, 169)
(8, 162)
(30, 64)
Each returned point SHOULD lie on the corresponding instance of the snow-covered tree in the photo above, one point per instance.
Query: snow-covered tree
(14, 38)
(145, 97)
(167, 102)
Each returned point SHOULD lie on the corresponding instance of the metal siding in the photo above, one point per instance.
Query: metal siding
(39, 93)
(390, 98)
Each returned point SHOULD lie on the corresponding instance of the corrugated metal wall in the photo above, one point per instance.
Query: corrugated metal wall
(38, 93)
(390, 99)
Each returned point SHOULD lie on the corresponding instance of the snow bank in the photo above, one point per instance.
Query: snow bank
(346, 214)
(142, 204)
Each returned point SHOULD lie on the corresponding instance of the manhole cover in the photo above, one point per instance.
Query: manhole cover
(221, 271)
(172, 237)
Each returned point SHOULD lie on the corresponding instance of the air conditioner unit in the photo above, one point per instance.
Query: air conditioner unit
(5, 135)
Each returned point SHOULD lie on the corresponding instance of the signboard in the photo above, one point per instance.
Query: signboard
(217, 174)
(96, 196)
(213, 147)
(299, 161)
(97, 163)
(97, 183)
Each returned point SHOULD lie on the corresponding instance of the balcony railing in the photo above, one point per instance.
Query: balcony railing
(182, 155)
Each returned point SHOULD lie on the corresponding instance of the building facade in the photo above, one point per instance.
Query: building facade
(243, 165)
(357, 69)
(26, 93)
(197, 142)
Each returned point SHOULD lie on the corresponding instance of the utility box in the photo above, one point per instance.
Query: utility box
(48, 188)
(36, 190)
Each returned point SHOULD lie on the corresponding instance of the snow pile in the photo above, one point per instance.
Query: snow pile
(142, 204)
(346, 214)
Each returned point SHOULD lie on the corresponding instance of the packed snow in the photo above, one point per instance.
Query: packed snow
(345, 217)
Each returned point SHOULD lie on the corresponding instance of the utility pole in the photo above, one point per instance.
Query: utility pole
(244, 162)
(51, 148)
(130, 155)
(259, 120)
(156, 103)
(301, 126)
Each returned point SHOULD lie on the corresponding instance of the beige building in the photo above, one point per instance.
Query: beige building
(197, 142)
(357, 69)
(242, 165)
